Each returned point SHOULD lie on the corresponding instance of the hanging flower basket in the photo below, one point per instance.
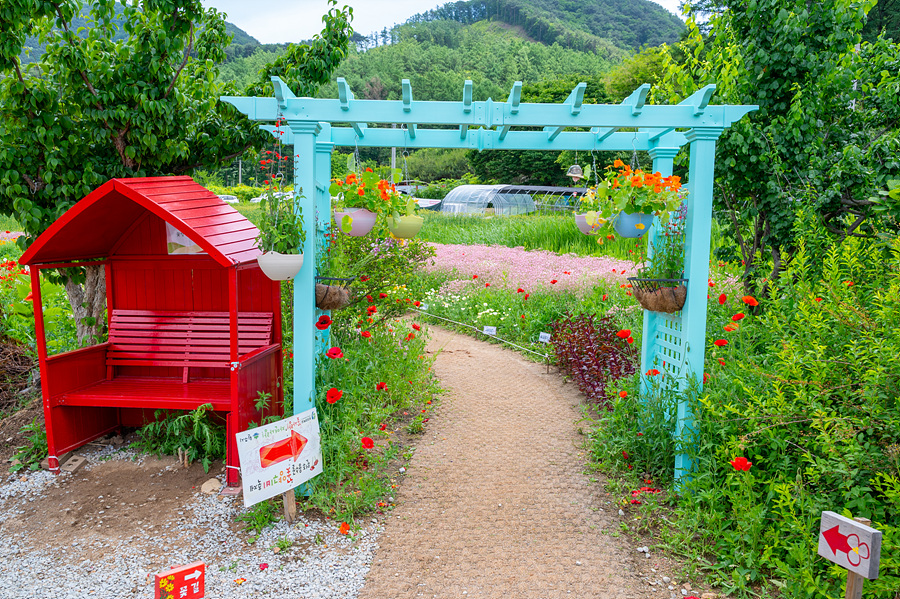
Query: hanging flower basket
(355, 222)
(632, 226)
(406, 227)
(280, 267)
(333, 295)
(659, 295)
(591, 227)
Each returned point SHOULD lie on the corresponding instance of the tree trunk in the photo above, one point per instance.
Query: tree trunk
(88, 303)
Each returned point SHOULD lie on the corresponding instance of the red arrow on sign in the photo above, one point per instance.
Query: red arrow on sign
(836, 541)
(282, 450)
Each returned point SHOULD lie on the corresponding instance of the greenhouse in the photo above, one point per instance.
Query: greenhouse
(504, 200)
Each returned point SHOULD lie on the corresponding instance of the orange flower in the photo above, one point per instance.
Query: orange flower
(652, 372)
(624, 334)
(344, 529)
(750, 300)
(737, 316)
(618, 163)
(720, 343)
(623, 394)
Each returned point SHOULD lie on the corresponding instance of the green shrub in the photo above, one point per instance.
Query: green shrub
(194, 433)
(34, 450)
(806, 390)
(244, 193)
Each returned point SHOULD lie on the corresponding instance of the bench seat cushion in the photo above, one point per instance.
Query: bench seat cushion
(152, 392)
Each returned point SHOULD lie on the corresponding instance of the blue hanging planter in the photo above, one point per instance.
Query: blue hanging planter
(632, 226)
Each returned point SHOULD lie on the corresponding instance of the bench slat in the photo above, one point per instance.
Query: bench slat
(183, 339)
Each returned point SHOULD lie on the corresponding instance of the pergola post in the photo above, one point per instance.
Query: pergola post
(698, 229)
(304, 137)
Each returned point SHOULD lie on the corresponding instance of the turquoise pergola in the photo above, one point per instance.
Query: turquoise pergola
(674, 344)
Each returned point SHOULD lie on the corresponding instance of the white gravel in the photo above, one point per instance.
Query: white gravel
(321, 564)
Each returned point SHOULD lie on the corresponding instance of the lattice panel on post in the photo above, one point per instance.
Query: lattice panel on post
(669, 349)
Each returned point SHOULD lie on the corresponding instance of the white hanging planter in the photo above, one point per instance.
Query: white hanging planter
(280, 267)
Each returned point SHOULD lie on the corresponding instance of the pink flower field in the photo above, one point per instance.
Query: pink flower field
(513, 268)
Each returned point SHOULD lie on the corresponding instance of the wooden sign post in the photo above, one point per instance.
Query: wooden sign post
(851, 544)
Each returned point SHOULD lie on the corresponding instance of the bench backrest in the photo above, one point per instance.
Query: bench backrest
(183, 339)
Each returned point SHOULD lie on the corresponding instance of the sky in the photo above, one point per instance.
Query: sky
(297, 20)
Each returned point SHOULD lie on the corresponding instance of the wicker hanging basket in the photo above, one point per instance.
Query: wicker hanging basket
(333, 296)
(659, 295)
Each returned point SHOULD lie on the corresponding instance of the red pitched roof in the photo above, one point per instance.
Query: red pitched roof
(93, 227)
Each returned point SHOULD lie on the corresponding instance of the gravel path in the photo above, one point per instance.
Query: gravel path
(495, 503)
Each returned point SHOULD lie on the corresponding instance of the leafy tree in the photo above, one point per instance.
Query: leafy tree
(824, 140)
(99, 104)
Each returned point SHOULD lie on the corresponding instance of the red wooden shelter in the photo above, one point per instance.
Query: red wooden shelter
(192, 319)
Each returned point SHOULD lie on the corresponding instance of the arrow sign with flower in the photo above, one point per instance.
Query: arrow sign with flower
(850, 544)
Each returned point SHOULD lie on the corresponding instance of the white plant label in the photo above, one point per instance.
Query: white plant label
(492, 331)
(424, 307)
(544, 337)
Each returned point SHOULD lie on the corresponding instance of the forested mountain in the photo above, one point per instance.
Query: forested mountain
(437, 57)
(571, 23)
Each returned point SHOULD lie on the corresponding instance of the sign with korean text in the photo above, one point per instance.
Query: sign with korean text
(850, 544)
(280, 456)
(182, 582)
(544, 337)
(492, 331)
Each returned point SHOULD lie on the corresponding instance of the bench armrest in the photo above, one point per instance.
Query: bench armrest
(258, 354)
(75, 369)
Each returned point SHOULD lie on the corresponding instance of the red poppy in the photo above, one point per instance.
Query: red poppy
(364, 278)
(382, 427)
(416, 327)
(368, 443)
(553, 282)
(417, 304)
(333, 395)
(523, 316)
(624, 334)
(722, 299)
(382, 295)
(371, 310)
(381, 387)
(750, 300)
(741, 463)
(711, 284)
(344, 529)
(630, 340)
(487, 284)
(705, 378)
(520, 290)
(848, 283)
(623, 394)
(370, 298)
(818, 299)
(411, 336)
(323, 323)
(720, 343)
(566, 272)
(526, 296)
(652, 372)
(29, 297)
(625, 454)
(366, 334)
(730, 327)
(737, 316)
(721, 361)
(474, 276)
(334, 353)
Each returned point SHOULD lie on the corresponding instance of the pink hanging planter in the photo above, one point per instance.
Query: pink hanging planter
(355, 222)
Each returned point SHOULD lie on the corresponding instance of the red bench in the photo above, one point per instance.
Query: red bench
(170, 360)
